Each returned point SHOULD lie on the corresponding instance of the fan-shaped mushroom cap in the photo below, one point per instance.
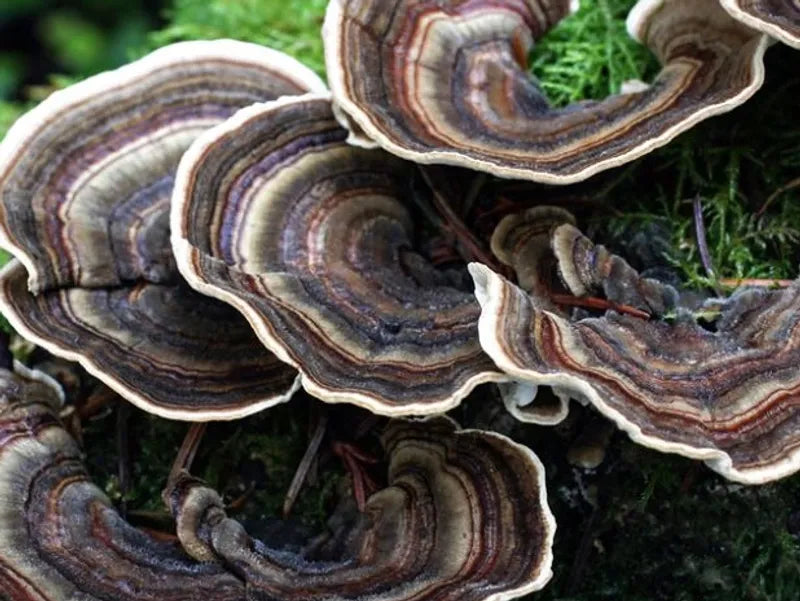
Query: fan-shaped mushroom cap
(464, 517)
(728, 397)
(85, 184)
(777, 18)
(585, 267)
(146, 339)
(446, 82)
(86, 176)
(522, 241)
(312, 240)
(60, 538)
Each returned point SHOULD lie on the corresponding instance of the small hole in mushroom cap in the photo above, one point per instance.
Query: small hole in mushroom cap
(393, 328)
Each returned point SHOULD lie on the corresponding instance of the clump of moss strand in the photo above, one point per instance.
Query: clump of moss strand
(743, 169)
(589, 55)
(9, 112)
(743, 166)
(293, 27)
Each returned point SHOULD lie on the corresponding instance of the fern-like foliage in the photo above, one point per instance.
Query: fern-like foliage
(589, 55)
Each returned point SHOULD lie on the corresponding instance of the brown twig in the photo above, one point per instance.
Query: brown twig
(123, 455)
(785, 188)
(96, 401)
(185, 456)
(239, 502)
(442, 252)
(763, 282)
(702, 242)
(475, 187)
(592, 302)
(303, 468)
(353, 457)
(455, 226)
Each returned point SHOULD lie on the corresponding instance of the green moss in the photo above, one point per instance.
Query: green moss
(84, 46)
(9, 112)
(77, 41)
(13, 8)
(294, 30)
(736, 164)
(733, 163)
(12, 68)
(589, 54)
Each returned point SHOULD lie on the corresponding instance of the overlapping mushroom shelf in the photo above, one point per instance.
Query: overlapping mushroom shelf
(208, 228)
(145, 339)
(728, 396)
(522, 241)
(464, 516)
(85, 183)
(447, 83)
(778, 18)
(312, 240)
(60, 537)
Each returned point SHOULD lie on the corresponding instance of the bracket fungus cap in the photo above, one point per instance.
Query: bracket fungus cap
(464, 517)
(60, 538)
(728, 397)
(86, 176)
(312, 240)
(446, 82)
(522, 241)
(586, 267)
(85, 183)
(779, 19)
(164, 348)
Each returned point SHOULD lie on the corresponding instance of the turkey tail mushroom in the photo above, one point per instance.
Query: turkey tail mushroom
(164, 348)
(585, 267)
(447, 82)
(730, 397)
(86, 176)
(779, 19)
(313, 241)
(85, 183)
(522, 241)
(464, 517)
(60, 538)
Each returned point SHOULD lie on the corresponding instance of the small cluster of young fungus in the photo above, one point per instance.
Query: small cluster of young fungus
(210, 227)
